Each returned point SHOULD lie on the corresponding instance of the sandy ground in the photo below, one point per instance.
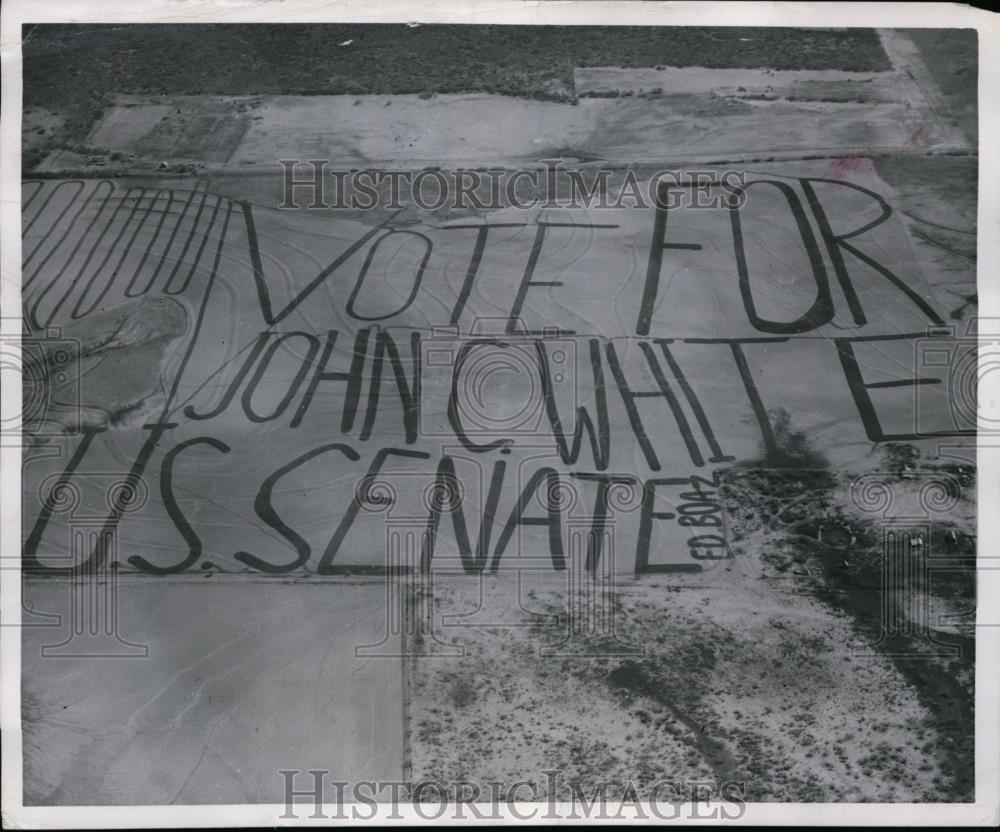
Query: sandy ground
(754, 687)
(208, 691)
(938, 203)
(483, 130)
(742, 675)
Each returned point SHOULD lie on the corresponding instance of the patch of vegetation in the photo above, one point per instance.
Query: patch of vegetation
(787, 486)
(536, 61)
(854, 583)
(843, 559)
(899, 457)
(902, 460)
(952, 56)
(462, 691)
(791, 448)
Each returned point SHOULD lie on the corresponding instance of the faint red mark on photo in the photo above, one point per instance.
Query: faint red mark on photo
(843, 167)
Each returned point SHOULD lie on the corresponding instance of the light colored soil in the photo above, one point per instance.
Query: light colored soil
(747, 681)
(481, 130)
(743, 674)
(238, 681)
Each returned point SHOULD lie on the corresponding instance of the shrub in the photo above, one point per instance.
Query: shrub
(899, 456)
(791, 448)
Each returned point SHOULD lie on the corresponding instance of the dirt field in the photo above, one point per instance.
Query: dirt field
(772, 673)
(533, 62)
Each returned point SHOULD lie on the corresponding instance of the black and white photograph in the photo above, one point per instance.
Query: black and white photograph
(547, 412)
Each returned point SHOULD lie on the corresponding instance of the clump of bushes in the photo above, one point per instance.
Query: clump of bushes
(898, 457)
(790, 448)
